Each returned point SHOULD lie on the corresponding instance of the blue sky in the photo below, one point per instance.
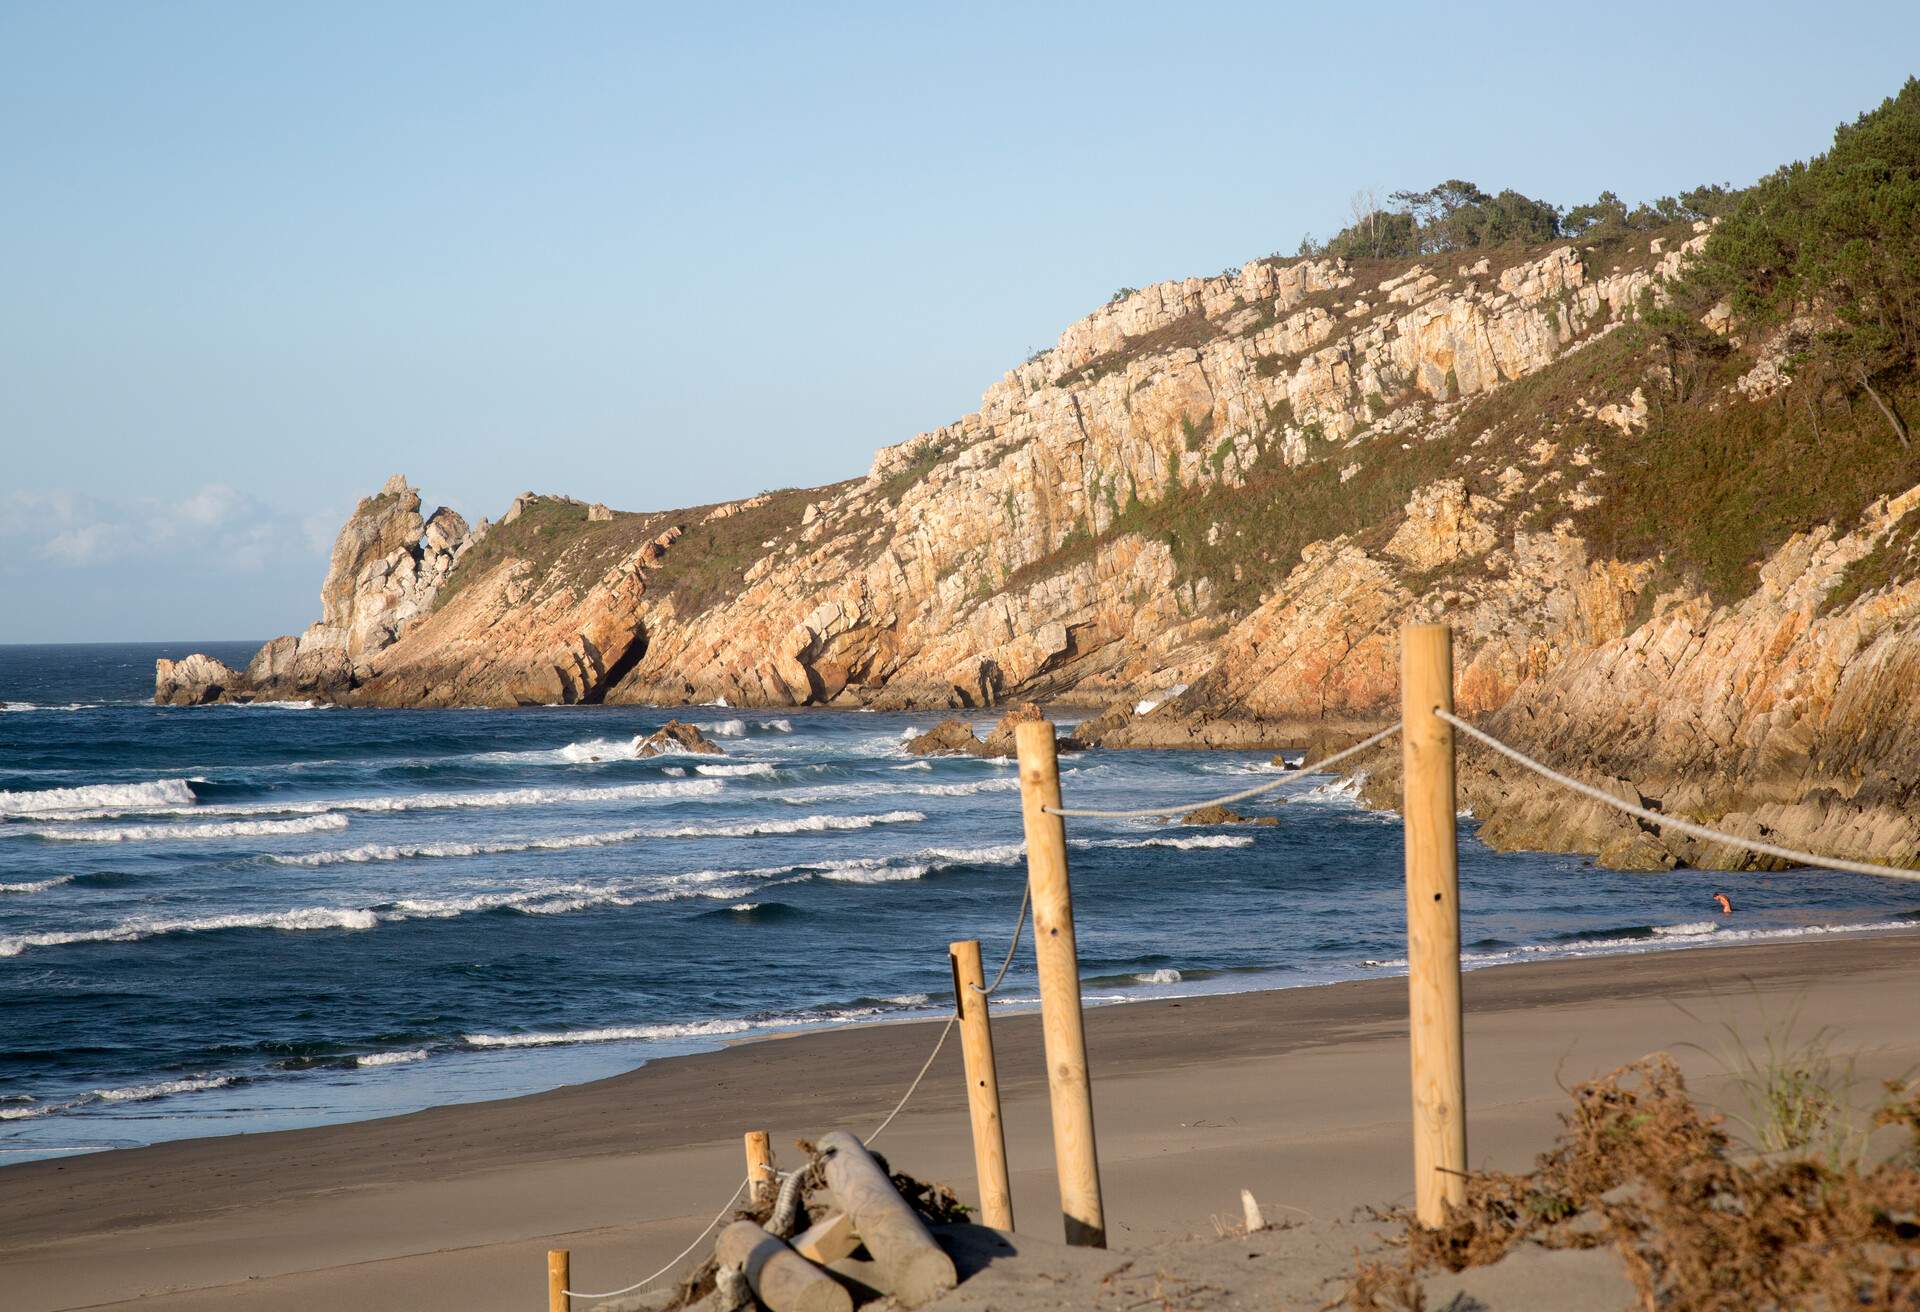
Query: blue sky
(258, 257)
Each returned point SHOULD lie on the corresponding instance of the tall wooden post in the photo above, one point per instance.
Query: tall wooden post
(1433, 923)
(1076, 1160)
(983, 1085)
(760, 1176)
(559, 1278)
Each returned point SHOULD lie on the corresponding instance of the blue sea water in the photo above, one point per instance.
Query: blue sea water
(225, 919)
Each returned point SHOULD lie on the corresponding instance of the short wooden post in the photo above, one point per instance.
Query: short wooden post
(559, 1278)
(1433, 924)
(983, 1085)
(760, 1176)
(1076, 1159)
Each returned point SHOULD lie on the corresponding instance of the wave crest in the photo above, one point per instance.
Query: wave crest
(50, 802)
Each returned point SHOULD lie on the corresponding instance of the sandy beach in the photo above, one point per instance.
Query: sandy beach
(1298, 1094)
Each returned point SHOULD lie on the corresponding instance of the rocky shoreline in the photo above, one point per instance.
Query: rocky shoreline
(1110, 530)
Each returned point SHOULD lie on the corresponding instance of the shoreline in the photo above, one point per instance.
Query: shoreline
(1263, 1085)
(632, 1056)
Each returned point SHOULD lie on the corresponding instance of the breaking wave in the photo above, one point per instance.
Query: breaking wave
(1184, 843)
(35, 885)
(489, 799)
(699, 1029)
(738, 728)
(607, 838)
(132, 1093)
(194, 833)
(1650, 938)
(123, 798)
(391, 1058)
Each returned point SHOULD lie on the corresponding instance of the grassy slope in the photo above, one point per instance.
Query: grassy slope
(1707, 488)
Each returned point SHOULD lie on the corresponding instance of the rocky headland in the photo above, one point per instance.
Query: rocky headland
(1672, 564)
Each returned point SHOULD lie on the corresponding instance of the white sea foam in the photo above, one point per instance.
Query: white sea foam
(606, 838)
(875, 874)
(1148, 705)
(391, 1058)
(491, 799)
(724, 729)
(144, 927)
(1344, 792)
(132, 1093)
(164, 1089)
(194, 833)
(17, 707)
(1199, 840)
(1661, 938)
(57, 803)
(600, 749)
(915, 765)
(1165, 975)
(836, 792)
(812, 824)
(610, 1034)
(35, 885)
(897, 869)
(749, 769)
(1184, 843)
(409, 852)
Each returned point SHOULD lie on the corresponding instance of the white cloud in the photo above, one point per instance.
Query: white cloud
(216, 529)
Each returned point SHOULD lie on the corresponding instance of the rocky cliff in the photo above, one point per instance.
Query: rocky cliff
(1226, 495)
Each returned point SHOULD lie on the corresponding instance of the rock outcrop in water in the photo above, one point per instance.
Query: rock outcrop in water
(1240, 488)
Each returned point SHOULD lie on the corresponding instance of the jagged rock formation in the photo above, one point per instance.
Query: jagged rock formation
(194, 681)
(956, 737)
(677, 736)
(1220, 815)
(1241, 487)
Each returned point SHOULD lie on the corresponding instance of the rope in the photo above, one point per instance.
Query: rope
(1794, 855)
(1020, 923)
(718, 1217)
(1159, 812)
(902, 1104)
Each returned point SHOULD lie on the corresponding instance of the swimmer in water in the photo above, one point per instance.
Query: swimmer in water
(1726, 905)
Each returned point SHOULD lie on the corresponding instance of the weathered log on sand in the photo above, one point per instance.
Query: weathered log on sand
(780, 1277)
(916, 1267)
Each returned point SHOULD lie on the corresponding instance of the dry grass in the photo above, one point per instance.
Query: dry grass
(1641, 1167)
(1798, 1091)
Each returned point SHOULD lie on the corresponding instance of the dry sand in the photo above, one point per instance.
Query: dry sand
(1300, 1095)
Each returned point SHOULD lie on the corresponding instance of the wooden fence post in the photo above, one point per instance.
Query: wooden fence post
(1433, 923)
(559, 1278)
(760, 1176)
(983, 1085)
(1076, 1160)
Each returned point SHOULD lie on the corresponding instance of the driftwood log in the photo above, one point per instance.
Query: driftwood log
(780, 1277)
(916, 1268)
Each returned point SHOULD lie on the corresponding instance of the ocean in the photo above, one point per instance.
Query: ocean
(245, 918)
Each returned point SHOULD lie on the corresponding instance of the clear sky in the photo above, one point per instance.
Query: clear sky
(257, 257)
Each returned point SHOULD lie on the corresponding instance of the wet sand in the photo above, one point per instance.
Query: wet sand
(1299, 1094)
